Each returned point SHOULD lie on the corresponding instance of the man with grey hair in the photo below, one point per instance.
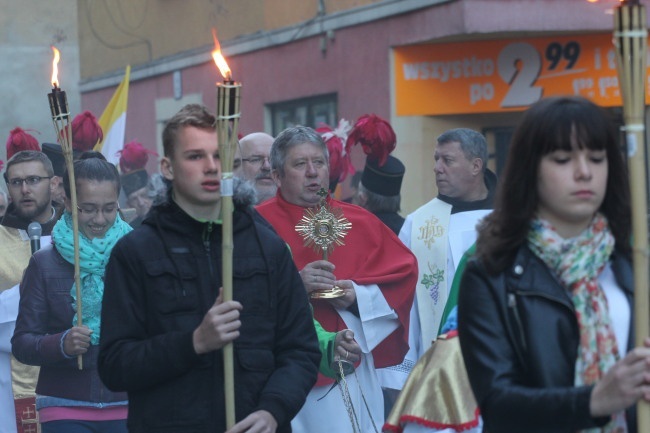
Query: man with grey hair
(254, 154)
(373, 271)
(440, 231)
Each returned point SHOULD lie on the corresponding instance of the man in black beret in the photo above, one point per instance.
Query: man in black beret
(379, 191)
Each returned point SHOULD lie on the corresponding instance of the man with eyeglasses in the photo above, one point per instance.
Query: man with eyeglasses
(253, 153)
(29, 182)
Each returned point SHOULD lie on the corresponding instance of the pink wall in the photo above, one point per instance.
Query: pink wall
(356, 64)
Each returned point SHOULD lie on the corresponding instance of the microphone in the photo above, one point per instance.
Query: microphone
(34, 231)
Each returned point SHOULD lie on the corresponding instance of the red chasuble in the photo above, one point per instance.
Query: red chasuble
(372, 254)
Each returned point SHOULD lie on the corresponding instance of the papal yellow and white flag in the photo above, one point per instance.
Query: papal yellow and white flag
(113, 121)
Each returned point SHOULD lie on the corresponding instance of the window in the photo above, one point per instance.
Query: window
(498, 140)
(306, 111)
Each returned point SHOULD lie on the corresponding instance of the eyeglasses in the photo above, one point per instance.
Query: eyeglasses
(257, 160)
(17, 182)
(93, 211)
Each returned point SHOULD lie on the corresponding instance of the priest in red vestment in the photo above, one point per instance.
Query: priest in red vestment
(375, 270)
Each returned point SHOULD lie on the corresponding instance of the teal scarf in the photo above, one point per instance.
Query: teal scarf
(93, 257)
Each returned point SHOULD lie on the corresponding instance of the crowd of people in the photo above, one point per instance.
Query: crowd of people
(501, 305)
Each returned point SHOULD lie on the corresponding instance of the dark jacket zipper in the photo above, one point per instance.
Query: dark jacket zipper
(207, 234)
(512, 305)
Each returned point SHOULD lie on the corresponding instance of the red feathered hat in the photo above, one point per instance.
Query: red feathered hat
(20, 140)
(134, 156)
(376, 136)
(86, 132)
(340, 163)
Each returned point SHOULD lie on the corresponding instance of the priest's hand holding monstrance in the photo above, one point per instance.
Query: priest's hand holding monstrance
(322, 228)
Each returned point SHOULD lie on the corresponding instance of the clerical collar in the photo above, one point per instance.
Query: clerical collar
(465, 206)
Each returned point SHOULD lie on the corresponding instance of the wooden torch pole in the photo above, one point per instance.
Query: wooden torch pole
(61, 120)
(228, 114)
(630, 39)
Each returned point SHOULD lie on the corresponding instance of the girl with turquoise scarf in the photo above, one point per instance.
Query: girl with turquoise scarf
(69, 399)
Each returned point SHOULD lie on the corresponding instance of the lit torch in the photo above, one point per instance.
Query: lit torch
(631, 42)
(57, 98)
(228, 114)
(61, 120)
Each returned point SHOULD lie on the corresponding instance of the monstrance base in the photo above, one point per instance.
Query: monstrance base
(333, 293)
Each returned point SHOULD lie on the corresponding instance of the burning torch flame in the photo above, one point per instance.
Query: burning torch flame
(219, 59)
(55, 67)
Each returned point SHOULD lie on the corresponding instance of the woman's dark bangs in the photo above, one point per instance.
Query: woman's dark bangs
(591, 131)
(556, 134)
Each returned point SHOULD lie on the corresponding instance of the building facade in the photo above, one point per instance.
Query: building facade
(28, 29)
(425, 65)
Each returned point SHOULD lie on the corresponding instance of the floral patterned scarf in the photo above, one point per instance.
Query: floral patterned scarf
(578, 262)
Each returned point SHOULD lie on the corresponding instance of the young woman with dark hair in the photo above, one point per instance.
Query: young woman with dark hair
(70, 399)
(545, 306)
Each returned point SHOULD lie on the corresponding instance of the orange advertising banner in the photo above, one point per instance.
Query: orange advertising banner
(504, 75)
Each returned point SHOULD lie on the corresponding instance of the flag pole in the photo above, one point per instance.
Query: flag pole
(631, 42)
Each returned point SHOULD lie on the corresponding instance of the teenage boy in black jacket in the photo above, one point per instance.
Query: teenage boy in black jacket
(164, 322)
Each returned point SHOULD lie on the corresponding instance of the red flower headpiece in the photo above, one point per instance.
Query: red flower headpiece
(20, 140)
(340, 163)
(86, 132)
(134, 156)
(376, 136)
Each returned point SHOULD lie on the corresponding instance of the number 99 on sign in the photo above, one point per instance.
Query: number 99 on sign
(520, 64)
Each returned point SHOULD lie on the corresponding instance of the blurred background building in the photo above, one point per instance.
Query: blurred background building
(424, 65)
(27, 30)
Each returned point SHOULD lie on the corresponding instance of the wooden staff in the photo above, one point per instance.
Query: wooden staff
(631, 41)
(228, 114)
(61, 120)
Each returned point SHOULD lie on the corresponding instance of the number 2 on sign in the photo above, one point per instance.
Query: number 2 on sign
(522, 91)
(522, 77)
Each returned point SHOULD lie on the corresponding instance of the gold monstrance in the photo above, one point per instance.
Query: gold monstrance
(322, 228)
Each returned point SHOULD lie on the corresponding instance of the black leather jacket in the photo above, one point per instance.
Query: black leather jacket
(519, 336)
(160, 281)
